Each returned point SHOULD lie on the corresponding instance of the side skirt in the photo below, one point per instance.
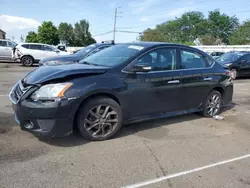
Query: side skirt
(161, 115)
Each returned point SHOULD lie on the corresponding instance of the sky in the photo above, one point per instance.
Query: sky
(17, 17)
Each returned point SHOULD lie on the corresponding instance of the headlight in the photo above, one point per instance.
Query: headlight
(228, 64)
(50, 92)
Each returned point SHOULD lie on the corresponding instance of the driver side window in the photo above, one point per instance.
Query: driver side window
(160, 59)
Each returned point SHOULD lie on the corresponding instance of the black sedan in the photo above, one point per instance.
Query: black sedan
(122, 84)
(79, 55)
(237, 62)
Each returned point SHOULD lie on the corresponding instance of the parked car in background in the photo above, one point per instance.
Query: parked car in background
(62, 48)
(216, 55)
(76, 57)
(30, 53)
(6, 50)
(237, 62)
(122, 84)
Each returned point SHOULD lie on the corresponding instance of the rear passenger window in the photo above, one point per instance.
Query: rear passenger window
(3, 43)
(25, 46)
(35, 47)
(192, 60)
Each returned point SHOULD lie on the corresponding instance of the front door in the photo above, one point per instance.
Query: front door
(158, 90)
(195, 80)
(245, 65)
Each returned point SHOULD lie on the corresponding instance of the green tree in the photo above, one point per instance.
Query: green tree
(192, 25)
(82, 34)
(31, 37)
(48, 34)
(241, 36)
(210, 40)
(221, 25)
(152, 35)
(66, 33)
(185, 29)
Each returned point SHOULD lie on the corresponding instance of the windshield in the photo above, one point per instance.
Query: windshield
(86, 50)
(113, 56)
(229, 57)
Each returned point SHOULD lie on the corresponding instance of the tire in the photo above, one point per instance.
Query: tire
(27, 61)
(234, 74)
(92, 122)
(206, 110)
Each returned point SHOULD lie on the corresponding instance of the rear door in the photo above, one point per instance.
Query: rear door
(195, 80)
(244, 63)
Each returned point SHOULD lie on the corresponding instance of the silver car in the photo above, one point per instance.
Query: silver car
(6, 50)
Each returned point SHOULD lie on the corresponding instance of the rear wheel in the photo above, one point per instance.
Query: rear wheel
(234, 74)
(27, 61)
(212, 104)
(99, 119)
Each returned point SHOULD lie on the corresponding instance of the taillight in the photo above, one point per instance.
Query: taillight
(228, 72)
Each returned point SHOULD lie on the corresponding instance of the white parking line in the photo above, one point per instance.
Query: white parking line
(156, 180)
(4, 95)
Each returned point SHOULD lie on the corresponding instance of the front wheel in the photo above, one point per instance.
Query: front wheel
(212, 104)
(99, 119)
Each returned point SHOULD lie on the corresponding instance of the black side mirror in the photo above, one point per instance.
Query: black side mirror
(141, 68)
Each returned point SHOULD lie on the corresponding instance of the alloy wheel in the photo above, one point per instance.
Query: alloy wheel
(213, 105)
(101, 121)
(27, 61)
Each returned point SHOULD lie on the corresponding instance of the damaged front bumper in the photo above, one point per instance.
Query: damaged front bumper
(44, 119)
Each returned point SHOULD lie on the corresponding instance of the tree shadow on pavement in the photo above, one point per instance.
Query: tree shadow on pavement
(228, 107)
(154, 128)
(7, 122)
(153, 124)
(76, 139)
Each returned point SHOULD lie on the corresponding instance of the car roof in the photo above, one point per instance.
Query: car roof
(34, 43)
(158, 44)
(153, 44)
(6, 40)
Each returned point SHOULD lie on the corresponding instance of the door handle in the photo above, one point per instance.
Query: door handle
(207, 79)
(174, 81)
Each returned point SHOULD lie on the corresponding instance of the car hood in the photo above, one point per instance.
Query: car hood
(47, 73)
(61, 58)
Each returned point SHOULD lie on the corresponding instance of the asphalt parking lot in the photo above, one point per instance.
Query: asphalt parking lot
(185, 151)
